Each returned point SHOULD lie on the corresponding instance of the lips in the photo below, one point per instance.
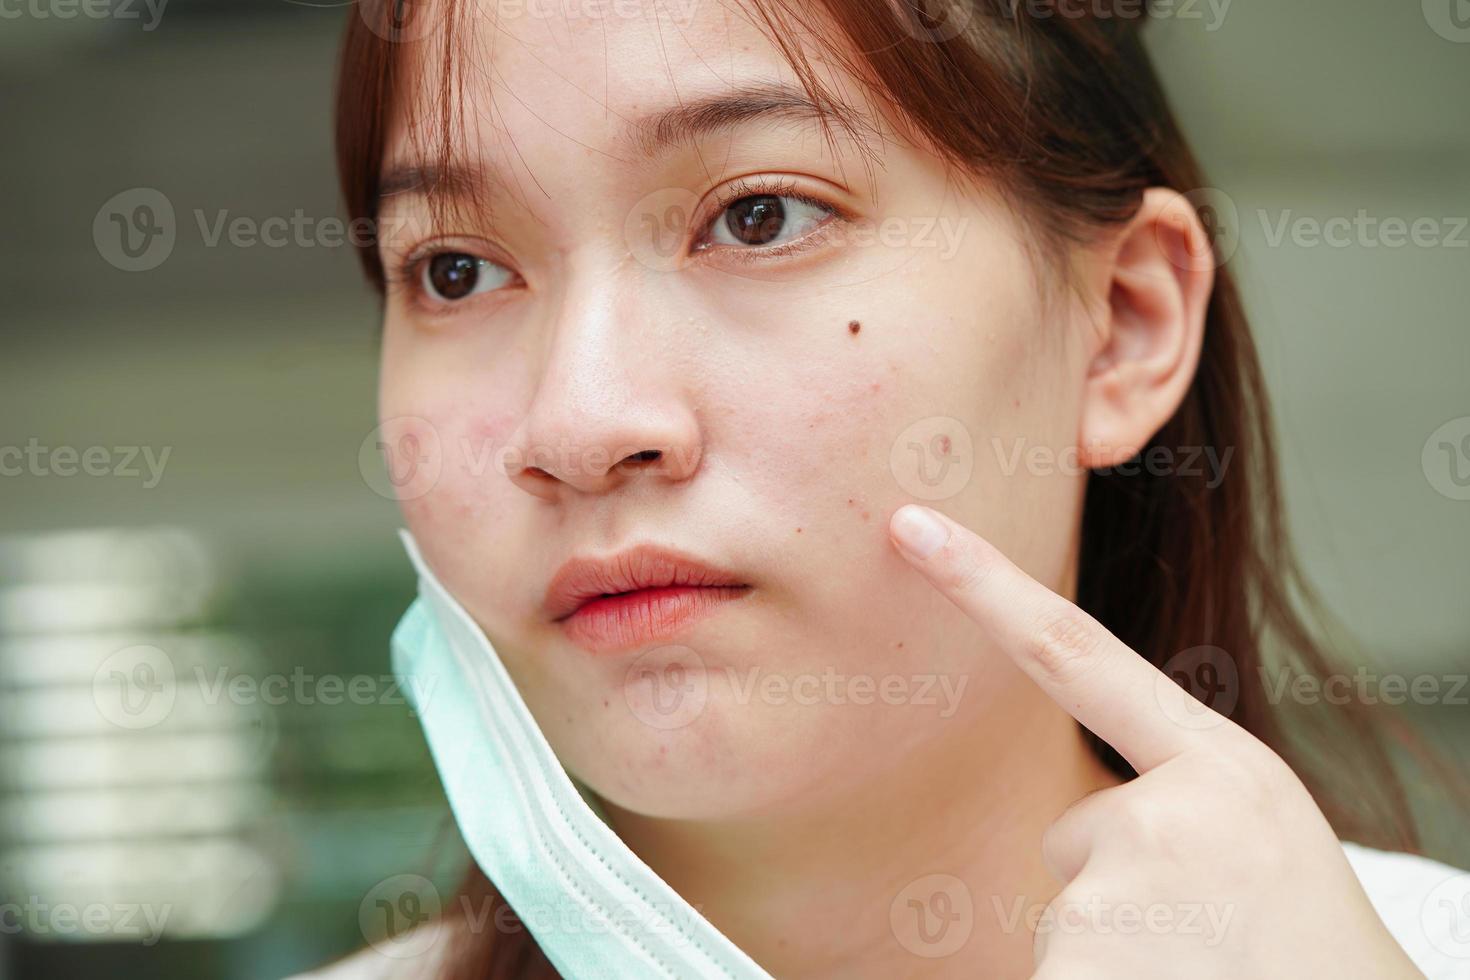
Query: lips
(638, 595)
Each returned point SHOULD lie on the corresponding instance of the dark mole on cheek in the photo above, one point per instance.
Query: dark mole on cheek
(853, 326)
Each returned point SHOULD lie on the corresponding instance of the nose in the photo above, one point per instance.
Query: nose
(612, 404)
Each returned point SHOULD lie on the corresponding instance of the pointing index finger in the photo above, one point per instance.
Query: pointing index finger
(1097, 678)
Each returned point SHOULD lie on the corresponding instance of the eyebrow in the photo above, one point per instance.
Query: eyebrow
(658, 132)
(690, 120)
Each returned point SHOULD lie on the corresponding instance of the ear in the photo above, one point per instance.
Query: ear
(1156, 275)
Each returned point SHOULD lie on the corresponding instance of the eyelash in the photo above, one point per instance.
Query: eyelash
(408, 273)
(761, 187)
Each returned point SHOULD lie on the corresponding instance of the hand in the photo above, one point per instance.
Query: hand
(1215, 861)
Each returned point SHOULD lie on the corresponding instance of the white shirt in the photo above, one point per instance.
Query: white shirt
(1408, 892)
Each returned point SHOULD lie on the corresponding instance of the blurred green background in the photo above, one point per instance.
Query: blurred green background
(258, 550)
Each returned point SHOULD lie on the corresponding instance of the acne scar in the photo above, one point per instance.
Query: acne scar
(853, 326)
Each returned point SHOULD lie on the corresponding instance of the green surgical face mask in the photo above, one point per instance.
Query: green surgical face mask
(594, 907)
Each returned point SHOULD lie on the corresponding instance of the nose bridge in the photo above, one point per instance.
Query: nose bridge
(610, 404)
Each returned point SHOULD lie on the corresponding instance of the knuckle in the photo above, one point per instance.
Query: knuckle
(1257, 777)
(1052, 851)
(1157, 825)
(1066, 911)
(1067, 832)
(967, 572)
(1065, 645)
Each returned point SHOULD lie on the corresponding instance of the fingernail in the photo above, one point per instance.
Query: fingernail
(918, 531)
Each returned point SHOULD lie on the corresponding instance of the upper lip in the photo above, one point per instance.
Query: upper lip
(643, 567)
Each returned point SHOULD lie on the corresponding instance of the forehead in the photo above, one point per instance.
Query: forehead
(588, 72)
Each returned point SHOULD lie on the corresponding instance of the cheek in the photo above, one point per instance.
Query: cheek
(458, 495)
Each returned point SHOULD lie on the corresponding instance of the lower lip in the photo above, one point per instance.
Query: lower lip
(616, 623)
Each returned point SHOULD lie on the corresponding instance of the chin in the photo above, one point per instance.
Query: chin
(723, 762)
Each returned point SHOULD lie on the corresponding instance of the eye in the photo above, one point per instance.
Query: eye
(765, 220)
(453, 276)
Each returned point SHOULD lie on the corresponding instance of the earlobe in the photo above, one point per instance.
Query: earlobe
(1159, 271)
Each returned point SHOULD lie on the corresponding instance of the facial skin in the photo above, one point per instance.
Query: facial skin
(787, 439)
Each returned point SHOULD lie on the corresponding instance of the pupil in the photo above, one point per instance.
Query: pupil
(454, 274)
(756, 220)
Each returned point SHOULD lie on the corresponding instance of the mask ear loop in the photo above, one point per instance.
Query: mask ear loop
(550, 802)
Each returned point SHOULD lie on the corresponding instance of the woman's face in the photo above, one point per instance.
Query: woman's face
(874, 336)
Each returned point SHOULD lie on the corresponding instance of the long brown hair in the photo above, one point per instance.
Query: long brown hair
(1066, 114)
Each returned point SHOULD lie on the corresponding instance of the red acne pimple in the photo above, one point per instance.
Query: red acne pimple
(945, 445)
(853, 326)
(865, 515)
(798, 530)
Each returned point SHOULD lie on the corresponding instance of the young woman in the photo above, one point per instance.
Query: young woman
(869, 371)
